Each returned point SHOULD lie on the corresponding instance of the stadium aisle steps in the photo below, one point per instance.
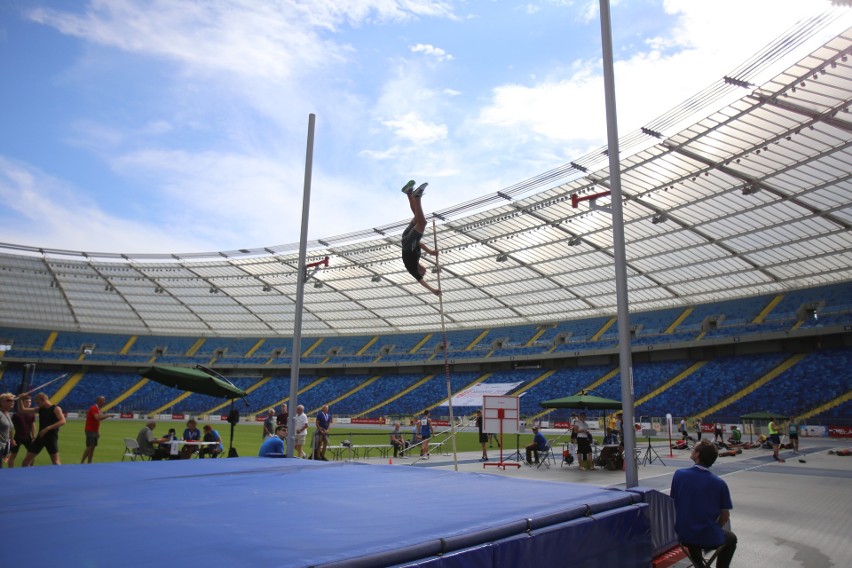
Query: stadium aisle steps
(66, 388)
(365, 384)
(400, 394)
(755, 385)
(670, 383)
(123, 396)
(603, 329)
(670, 330)
(827, 406)
(768, 309)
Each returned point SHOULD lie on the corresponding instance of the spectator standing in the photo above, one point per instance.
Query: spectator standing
(323, 423)
(24, 424)
(50, 420)
(415, 432)
(283, 416)
(300, 426)
(483, 437)
(146, 440)
(793, 432)
(584, 443)
(619, 429)
(703, 507)
(94, 417)
(269, 424)
(7, 401)
(775, 440)
(697, 426)
(425, 433)
(573, 422)
(718, 436)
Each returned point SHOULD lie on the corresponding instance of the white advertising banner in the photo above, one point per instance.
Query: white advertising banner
(473, 395)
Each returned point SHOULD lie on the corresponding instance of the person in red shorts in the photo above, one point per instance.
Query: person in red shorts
(94, 417)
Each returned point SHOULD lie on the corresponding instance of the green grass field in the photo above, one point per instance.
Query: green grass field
(247, 439)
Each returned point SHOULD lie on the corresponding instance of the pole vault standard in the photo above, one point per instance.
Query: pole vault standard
(625, 358)
(300, 290)
(446, 355)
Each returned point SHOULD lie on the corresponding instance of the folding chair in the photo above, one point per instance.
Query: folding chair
(131, 450)
(544, 456)
(700, 557)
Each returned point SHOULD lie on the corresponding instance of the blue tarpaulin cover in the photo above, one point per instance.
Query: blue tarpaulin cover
(286, 512)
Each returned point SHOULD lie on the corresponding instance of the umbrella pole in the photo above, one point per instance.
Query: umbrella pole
(233, 425)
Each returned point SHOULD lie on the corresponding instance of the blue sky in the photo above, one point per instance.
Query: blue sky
(180, 126)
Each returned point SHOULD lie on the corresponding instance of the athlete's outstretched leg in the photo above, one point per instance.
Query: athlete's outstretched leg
(414, 196)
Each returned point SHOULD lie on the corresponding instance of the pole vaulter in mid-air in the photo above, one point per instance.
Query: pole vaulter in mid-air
(411, 244)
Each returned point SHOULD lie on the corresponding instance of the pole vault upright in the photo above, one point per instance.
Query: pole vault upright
(625, 359)
(446, 355)
(300, 290)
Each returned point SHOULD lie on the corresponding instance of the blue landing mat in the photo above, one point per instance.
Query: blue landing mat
(280, 512)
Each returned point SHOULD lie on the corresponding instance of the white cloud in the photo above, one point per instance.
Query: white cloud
(648, 83)
(432, 51)
(412, 127)
(42, 209)
(220, 153)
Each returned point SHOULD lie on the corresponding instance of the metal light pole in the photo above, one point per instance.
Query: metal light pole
(300, 290)
(625, 360)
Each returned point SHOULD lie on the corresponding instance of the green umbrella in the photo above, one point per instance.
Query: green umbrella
(582, 402)
(193, 380)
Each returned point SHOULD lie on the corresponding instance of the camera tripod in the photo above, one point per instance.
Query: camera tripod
(651, 455)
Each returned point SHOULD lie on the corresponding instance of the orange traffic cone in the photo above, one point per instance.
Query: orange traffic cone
(390, 461)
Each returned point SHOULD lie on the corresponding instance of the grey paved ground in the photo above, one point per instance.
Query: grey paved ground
(785, 515)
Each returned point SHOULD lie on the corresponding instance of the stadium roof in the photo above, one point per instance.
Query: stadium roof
(753, 198)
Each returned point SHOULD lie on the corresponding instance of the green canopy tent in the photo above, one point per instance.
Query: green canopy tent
(202, 381)
(582, 401)
(193, 380)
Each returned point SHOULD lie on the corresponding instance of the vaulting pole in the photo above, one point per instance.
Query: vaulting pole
(625, 359)
(300, 290)
(446, 355)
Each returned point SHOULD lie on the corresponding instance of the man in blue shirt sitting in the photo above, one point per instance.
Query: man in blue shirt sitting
(274, 446)
(212, 449)
(703, 507)
(539, 444)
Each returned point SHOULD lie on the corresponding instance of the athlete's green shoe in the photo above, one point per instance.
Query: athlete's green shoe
(409, 187)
